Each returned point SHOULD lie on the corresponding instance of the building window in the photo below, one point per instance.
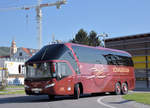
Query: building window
(20, 54)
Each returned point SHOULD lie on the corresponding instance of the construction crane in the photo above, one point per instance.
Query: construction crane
(38, 14)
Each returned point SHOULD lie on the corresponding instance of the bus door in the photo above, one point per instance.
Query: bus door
(65, 78)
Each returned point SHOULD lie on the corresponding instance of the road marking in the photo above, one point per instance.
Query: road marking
(99, 100)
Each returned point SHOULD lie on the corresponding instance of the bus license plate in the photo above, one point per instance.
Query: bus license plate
(36, 90)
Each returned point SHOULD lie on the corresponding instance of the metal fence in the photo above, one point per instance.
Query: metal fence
(14, 59)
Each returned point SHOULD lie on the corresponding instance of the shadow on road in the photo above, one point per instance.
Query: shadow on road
(41, 98)
(121, 102)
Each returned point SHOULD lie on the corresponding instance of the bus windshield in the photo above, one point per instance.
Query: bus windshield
(38, 70)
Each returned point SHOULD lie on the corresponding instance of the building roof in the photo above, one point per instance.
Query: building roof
(5, 51)
(128, 37)
(29, 51)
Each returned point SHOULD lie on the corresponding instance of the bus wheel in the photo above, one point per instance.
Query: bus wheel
(117, 88)
(51, 97)
(124, 88)
(76, 91)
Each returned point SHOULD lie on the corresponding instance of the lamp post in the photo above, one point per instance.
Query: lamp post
(104, 35)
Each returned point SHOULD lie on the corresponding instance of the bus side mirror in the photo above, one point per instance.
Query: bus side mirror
(59, 76)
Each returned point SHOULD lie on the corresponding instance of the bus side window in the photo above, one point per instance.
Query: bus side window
(130, 62)
(63, 70)
(119, 60)
(103, 60)
(111, 59)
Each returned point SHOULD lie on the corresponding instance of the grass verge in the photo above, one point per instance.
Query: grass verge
(7, 92)
(138, 97)
(14, 86)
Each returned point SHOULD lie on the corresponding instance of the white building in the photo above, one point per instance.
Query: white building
(15, 63)
(15, 71)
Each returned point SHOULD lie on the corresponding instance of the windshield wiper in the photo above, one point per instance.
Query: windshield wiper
(44, 53)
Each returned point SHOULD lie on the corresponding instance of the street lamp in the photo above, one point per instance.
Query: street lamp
(104, 35)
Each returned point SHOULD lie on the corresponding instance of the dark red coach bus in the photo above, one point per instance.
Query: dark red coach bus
(72, 69)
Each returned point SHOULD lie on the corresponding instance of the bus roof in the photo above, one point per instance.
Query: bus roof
(54, 51)
(100, 48)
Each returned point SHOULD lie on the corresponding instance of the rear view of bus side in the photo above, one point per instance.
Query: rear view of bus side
(72, 69)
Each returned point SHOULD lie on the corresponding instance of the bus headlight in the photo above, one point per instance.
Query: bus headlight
(50, 85)
(25, 86)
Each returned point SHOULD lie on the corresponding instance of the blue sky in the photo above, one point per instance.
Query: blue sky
(115, 17)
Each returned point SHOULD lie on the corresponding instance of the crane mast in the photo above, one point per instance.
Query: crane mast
(39, 23)
(38, 9)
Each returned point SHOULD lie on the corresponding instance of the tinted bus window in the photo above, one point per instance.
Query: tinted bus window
(63, 70)
(49, 52)
(69, 57)
(55, 52)
(126, 61)
(38, 70)
(89, 55)
(96, 56)
(118, 60)
(111, 59)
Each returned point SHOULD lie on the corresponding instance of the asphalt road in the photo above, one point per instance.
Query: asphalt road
(87, 101)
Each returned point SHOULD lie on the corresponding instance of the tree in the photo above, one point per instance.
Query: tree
(81, 37)
(94, 39)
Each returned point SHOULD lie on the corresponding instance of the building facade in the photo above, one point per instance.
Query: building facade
(21, 52)
(139, 47)
(14, 63)
(14, 71)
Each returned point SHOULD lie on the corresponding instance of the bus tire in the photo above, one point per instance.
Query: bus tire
(117, 88)
(51, 97)
(124, 88)
(76, 91)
